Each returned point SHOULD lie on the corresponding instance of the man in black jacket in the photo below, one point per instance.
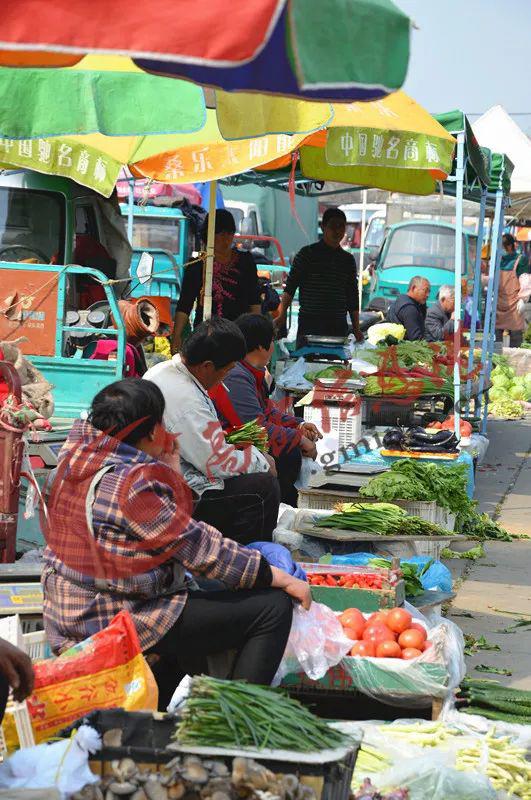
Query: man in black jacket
(409, 309)
(440, 316)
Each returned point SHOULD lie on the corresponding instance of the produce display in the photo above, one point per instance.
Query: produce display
(236, 714)
(417, 439)
(347, 580)
(386, 332)
(334, 372)
(385, 519)
(388, 633)
(493, 755)
(411, 574)
(423, 481)
(509, 392)
(369, 792)
(465, 428)
(403, 354)
(250, 433)
(413, 383)
(492, 700)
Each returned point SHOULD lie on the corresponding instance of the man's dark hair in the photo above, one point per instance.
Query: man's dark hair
(124, 403)
(224, 223)
(508, 240)
(257, 330)
(216, 340)
(333, 213)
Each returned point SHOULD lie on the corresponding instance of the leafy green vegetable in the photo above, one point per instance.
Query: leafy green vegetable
(410, 572)
(474, 553)
(380, 518)
(331, 372)
(403, 354)
(250, 433)
(472, 645)
(506, 409)
(494, 670)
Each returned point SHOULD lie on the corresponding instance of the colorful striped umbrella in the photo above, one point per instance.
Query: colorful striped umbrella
(338, 50)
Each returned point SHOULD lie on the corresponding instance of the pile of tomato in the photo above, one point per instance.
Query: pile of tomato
(389, 633)
(348, 580)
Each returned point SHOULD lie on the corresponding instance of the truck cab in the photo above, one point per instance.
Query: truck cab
(419, 247)
(59, 245)
(166, 234)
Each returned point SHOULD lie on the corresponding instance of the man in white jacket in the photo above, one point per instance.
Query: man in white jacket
(238, 492)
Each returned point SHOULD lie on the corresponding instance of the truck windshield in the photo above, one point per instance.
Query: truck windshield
(422, 246)
(32, 225)
(375, 232)
(161, 232)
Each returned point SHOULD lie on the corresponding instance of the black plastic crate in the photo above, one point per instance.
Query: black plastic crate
(146, 735)
(391, 410)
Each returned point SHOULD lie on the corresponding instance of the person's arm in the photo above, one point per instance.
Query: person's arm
(523, 265)
(190, 291)
(17, 669)
(202, 443)
(433, 328)
(252, 288)
(292, 284)
(353, 301)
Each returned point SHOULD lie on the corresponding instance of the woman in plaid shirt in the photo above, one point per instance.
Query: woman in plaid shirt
(121, 536)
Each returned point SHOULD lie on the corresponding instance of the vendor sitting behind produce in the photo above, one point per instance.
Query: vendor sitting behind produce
(439, 323)
(409, 309)
(238, 489)
(119, 471)
(244, 396)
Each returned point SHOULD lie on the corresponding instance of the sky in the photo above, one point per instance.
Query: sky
(471, 55)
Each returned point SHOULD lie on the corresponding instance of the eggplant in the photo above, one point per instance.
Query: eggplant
(393, 438)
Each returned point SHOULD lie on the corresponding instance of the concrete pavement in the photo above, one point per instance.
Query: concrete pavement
(493, 587)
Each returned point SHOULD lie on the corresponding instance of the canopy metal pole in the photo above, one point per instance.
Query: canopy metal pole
(487, 366)
(476, 295)
(459, 178)
(130, 208)
(496, 232)
(209, 269)
(362, 246)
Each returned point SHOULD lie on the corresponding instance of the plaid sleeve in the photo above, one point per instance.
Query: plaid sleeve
(197, 546)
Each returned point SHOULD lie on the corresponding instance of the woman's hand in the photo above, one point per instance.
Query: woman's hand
(311, 431)
(299, 590)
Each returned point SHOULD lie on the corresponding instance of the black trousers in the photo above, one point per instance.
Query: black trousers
(515, 337)
(245, 510)
(288, 468)
(4, 692)
(255, 623)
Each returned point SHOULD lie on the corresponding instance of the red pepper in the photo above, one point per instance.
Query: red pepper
(330, 581)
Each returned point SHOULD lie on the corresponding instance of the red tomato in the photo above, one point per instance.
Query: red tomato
(364, 649)
(377, 618)
(378, 633)
(388, 650)
(399, 620)
(354, 631)
(411, 638)
(416, 626)
(410, 652)
(351, 617)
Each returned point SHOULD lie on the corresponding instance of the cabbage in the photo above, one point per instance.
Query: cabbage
(378, 332)
(497, 394)
(517, 393)
(501, 380)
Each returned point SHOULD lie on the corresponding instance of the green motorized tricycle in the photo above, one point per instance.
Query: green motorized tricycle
(418, 247)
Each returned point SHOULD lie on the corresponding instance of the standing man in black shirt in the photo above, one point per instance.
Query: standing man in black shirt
(325, 276)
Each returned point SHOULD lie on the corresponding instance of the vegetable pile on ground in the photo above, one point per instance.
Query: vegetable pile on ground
(508, 392)
(492, 700)
(388, 633)
(369, 792)
(250, 433)
(418, 440)
(410, 479)
(385, 519)
(236, 714)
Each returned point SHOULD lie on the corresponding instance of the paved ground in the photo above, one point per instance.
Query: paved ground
(501, 582)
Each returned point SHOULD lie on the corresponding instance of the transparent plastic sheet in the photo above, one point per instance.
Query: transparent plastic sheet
(427, 771)
(293, 376)
(431, 776)
(316, 643)
(438, 671)
(475, 724)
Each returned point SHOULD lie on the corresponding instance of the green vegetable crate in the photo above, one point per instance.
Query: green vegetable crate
(365, 675)
(391, 594)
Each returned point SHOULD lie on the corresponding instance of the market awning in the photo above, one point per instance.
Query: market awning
(477, 159)
(341, 50)
(392, 144)
(497, 130)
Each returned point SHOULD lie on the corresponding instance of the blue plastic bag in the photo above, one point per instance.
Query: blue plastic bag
(436, 577)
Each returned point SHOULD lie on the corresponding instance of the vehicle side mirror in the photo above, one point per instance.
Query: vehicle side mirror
(144, 269)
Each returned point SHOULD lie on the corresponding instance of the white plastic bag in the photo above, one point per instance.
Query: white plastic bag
(316, 643)
(63, 765)
(293, 376)
(433, 777)
(308, 468)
